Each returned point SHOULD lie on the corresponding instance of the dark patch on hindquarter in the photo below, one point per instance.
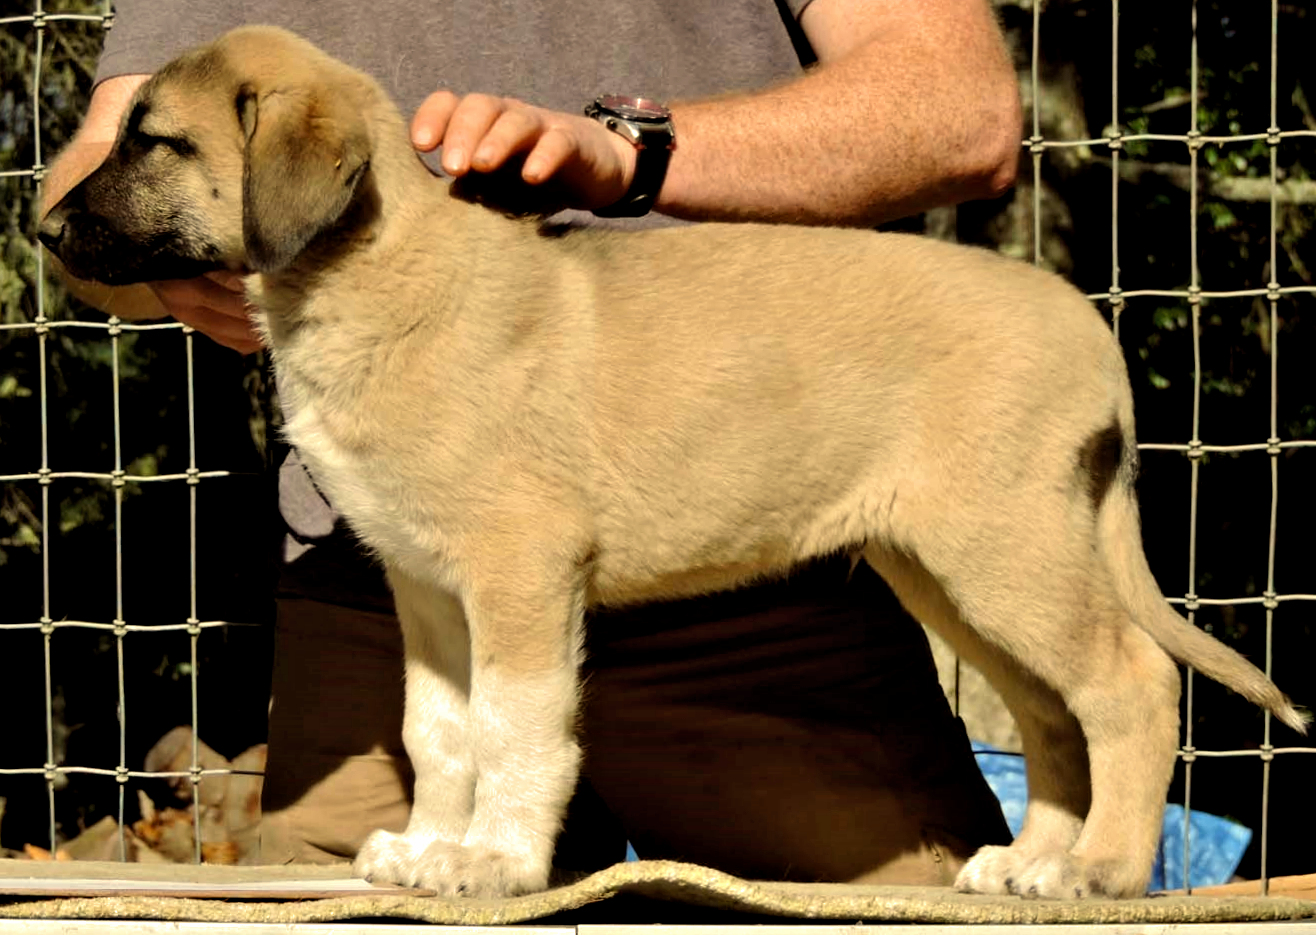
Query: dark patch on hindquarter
(1099, 460)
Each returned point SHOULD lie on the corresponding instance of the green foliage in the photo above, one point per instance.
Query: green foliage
(77, 370)
(1233, 224)
(80, 362)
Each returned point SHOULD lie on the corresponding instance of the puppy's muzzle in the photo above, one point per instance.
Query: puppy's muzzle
(51, 232)
(85, 243)
(92, 247)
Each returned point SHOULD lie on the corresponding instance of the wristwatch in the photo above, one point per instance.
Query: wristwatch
(648, 126)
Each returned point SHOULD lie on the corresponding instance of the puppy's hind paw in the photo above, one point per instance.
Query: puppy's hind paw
(448, 869)
(1002, 870)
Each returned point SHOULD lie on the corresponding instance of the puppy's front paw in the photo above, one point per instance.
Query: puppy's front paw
(482, 873)
(448, 869)
(992, 870)
(386, 857)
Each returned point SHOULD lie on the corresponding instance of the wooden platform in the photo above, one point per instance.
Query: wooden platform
(57, 879)
(94, 894)
(1299, 887)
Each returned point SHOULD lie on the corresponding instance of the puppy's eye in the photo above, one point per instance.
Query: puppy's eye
(179, 145)
(138, 135)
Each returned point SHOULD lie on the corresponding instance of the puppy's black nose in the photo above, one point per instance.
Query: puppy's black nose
(51, 232)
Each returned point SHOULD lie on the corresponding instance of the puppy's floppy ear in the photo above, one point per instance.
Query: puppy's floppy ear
(305, 153)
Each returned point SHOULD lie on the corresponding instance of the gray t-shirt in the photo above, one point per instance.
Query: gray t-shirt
(558, 54)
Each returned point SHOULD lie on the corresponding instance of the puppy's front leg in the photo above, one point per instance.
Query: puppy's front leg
(436, 733)
(526, 639)
(525, 625)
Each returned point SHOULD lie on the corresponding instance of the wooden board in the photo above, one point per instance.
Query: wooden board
(92, 878)
(1299, 887)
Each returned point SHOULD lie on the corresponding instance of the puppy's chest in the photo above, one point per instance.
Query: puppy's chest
(350, 453)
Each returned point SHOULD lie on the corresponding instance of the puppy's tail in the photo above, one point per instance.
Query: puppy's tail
(1121, 548)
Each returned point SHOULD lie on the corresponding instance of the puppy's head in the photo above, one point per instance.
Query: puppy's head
(237, 155)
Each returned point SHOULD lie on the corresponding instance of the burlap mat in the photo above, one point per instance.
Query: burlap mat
(660, 880)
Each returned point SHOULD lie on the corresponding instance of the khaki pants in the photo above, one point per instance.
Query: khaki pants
(793, 731)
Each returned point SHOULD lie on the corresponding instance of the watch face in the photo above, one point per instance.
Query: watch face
(634, 108)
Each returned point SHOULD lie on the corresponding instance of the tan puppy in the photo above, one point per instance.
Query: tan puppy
(522, 425)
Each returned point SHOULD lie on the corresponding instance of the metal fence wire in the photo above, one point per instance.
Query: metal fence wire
(27, 461)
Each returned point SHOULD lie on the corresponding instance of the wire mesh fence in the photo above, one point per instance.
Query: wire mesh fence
(49, 344)
(1277, 186)
(1175, 176)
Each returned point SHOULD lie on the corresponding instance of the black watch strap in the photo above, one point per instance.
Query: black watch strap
(648, 127)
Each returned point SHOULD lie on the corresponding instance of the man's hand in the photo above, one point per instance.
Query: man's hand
(212, 304)
(585, 164)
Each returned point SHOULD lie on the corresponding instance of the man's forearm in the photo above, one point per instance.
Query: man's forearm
(916, 112)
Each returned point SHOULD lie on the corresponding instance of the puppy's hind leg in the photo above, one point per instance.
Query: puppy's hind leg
(1129, 709)
(1122, 690)
(435, 731)
(1041, 597)
(1054, 748)
(1064, 622)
